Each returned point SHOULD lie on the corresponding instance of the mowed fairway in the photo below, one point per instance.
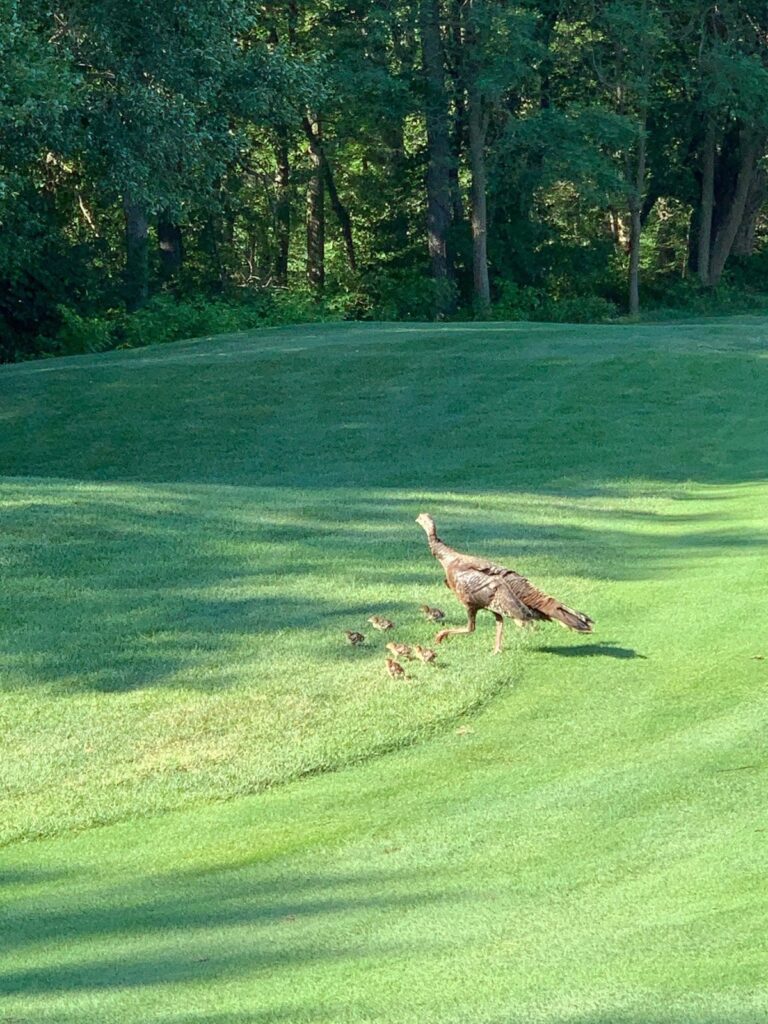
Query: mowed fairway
(572, 833)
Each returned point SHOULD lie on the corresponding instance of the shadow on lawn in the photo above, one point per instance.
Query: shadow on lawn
(658, 1012)
(12, 877)
(366, 1014)
(114, 589)
(329, 1015)
(685, 403)
(206, 924)
(602, 650)
(206, 927)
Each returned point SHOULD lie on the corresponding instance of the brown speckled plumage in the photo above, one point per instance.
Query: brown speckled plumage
(400, 650)
(395, 670)
(433, 614)
(379, 622)
(481, 584)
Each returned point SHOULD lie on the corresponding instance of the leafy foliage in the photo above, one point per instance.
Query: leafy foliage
(156, 153)
(165, 318)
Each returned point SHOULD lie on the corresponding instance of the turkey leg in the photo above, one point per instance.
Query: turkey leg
(499, 632)
(469, 628)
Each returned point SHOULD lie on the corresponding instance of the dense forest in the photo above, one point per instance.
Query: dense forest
(172, 168)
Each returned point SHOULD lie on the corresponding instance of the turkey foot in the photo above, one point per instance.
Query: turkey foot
(469, 628)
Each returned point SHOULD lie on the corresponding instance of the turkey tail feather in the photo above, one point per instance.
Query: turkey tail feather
(572, 620)
(545, 607)
(506, 603)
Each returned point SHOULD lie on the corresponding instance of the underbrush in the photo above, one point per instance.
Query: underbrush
(388, 298)
(165, 319)
(662, 299)
(527, 303)
(684, 297)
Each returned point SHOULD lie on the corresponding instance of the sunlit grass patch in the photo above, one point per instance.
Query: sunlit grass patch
(171, 644)
(576, 837)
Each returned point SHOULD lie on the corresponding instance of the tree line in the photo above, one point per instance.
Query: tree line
(412, 158)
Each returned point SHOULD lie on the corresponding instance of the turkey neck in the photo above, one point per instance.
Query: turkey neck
(441, 551)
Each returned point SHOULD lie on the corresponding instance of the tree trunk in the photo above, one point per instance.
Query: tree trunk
(459, 115)
(647, 208)
(703, 251)
(691, 258)
(439, 150)
(744, 243)
(136, 253)
(635, 231)
(618, 228)
(170, 246)
(316, 221)
(396, 228)
(282, 215)
(209, 240)
(549, 15)
(282, 210)
(726, 235)
(477, 134)
(636, 225)
(342, 215)
(459, 121)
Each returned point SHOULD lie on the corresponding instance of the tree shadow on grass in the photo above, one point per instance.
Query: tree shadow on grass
(106, 940)
(110, 589)
(200, 925)
(25, 877)
(108, 595)
(309, 1015)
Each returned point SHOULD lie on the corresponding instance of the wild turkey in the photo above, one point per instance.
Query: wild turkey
(395, 669)
(379, 622)
(479, 584)
(400, 650)
(432, 614)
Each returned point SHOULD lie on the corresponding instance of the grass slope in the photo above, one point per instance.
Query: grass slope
(187, 530)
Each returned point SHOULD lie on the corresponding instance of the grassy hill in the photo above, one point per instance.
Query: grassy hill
(187, 530)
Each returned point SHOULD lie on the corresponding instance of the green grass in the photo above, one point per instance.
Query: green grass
(169, 644)
(578, 834)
